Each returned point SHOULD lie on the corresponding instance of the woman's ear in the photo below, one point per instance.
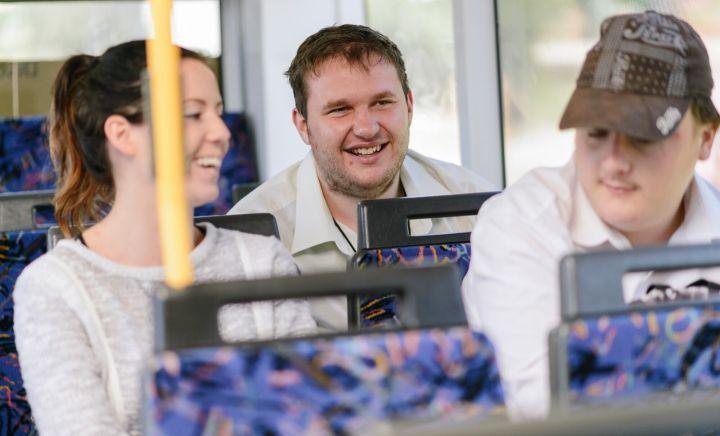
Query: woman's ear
(118, 132)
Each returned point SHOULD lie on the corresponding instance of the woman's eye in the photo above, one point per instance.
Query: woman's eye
(193, 116)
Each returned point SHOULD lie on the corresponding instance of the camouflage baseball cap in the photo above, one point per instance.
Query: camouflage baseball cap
(639, 78)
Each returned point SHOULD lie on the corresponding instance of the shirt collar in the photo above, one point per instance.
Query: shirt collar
(702, 209)
(417, 182)
(313, 222)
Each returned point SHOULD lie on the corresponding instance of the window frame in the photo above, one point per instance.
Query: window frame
(479, 96)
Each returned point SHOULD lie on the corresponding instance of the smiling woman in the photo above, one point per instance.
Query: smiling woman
(83, 318)
(206, 136)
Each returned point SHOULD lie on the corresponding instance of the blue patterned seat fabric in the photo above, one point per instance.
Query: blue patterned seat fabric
(24, 158)
(25, 163)
(381, 310)
(324, 385)
(17, 250)
(645, 353)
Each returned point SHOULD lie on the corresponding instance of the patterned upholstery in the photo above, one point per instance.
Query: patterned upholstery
(45, 216)
(24, 158)
(381, 310)
(239, 165)
(324, 385)
(644, 353)
(17, 250)
(25, 163)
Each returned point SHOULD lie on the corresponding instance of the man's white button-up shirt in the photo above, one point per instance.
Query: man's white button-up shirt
(306, 226)
(512, 289)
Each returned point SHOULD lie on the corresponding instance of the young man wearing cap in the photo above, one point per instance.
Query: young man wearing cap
(643, 118)
(353, 107)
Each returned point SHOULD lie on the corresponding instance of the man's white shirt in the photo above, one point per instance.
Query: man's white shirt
(306, 226)
(512, 289)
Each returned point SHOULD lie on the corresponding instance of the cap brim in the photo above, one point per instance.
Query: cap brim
(632, 114)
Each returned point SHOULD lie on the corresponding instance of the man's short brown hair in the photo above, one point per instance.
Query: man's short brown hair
(704, 111)
(356, 44)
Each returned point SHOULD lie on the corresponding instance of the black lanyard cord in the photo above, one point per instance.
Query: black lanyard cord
(344, 236)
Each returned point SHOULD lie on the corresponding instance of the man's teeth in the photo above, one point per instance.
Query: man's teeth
(366, 151)
(209, 162)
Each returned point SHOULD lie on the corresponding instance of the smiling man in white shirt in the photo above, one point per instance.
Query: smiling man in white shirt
(643, 118)
(353, 107)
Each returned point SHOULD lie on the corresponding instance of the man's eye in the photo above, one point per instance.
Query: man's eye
(384, 102)
(597, 133)
(338, 110)
(639, 142)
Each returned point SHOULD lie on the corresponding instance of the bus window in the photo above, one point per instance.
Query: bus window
(423, 30)
(36, 37)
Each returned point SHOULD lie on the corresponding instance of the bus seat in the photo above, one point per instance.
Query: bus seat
(384, 240)
(318, 384)
(240, 190)
(606, 351)
(25, 158)
(689, 417)
(256, 223)
(21, 242)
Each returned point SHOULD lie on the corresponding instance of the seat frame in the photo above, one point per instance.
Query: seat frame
(256, 223)
(386, 224)
(187, 319)
(587, 294)
(17, 209)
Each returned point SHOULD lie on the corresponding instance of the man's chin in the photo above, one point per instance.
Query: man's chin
(623, 221)
(364, 189)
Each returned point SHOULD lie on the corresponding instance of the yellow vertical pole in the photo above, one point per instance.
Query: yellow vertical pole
(167, 128)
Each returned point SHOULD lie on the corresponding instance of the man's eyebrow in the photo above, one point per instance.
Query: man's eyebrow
(344, 102)
(335, 103)
(384, 94)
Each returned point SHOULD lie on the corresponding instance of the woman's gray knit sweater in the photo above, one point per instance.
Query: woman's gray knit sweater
(84, 332)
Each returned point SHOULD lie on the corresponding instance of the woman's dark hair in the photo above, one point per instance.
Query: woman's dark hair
(87, 90)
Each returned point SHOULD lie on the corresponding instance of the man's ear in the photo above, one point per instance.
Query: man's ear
(301, 125)
(409, 100)
(707, 137)
(119, 135)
